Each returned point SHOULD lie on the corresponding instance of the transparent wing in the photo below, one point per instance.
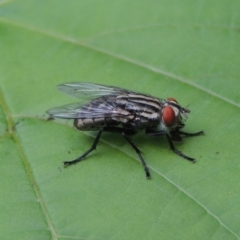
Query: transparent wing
(69, 111)
(80, 111)
(97, 101)
(89, 91)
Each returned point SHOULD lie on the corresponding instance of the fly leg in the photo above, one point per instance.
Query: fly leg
(93, 147)
(116, 130)
(177, 151)
(139, 154)
(191, 134)
(171, 145)
(125, 134)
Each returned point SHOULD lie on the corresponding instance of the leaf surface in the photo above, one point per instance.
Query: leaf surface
(182, 49)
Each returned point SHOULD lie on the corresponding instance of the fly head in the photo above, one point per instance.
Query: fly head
(173, 115)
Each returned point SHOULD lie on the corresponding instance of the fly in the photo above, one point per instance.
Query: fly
(117, 110)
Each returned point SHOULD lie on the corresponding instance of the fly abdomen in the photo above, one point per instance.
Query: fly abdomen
(89, 124)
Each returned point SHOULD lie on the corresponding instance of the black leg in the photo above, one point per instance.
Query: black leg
(93, 147)
(139, 154)
(177, 151)
(191, 134)
(125, 133)
(175, 137)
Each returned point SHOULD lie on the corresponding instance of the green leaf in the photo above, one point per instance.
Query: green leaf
(186, 49)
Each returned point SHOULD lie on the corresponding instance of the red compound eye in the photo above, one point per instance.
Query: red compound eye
(172, 100)
(168, 116)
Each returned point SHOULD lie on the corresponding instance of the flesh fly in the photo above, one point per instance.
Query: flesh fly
(117, 110)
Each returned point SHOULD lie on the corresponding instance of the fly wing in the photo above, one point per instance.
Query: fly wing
(97, 102)
(70, 111)
(88, 91)
(100, 101)
(102, 107)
